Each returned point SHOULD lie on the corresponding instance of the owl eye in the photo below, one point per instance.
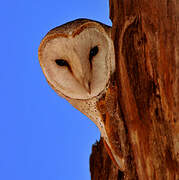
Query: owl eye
(93, 52)
(61, 62)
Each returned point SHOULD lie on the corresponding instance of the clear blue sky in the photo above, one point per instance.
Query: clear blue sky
(42, 137)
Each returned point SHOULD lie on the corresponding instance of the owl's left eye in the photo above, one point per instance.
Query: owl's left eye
(93, 52)
(61, 62)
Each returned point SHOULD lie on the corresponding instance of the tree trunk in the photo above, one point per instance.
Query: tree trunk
(146, 40)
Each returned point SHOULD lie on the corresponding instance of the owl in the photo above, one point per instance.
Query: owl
(78, 59)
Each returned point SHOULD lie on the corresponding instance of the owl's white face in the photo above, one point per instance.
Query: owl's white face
(77, 64)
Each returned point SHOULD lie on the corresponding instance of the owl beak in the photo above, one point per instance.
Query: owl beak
(87, 86)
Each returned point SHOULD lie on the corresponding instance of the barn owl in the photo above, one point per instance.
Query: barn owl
(78, 59)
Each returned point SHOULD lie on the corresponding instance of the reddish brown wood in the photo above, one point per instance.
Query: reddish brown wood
(101, 166)
(146, 39)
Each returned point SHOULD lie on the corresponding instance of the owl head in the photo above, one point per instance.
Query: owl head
(77, 58)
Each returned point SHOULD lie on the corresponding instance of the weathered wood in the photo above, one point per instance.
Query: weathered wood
(101, 166)
(146, 39)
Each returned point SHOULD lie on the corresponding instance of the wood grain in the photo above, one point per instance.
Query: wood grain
(146, 39)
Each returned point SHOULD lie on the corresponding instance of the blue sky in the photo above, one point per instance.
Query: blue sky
(42, 137)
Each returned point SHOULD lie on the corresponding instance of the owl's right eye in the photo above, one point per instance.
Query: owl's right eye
(61, 62)
(93, 52)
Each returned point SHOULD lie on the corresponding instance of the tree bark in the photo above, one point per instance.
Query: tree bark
(146, 40)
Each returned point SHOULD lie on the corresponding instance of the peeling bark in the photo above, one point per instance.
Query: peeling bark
(146, 39)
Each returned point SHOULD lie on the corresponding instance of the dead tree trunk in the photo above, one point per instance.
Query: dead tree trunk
(146, 39)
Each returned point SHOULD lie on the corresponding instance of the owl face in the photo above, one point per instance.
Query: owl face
(78, 58)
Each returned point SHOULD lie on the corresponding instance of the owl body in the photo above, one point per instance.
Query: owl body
(90, 109)
(78, 60)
